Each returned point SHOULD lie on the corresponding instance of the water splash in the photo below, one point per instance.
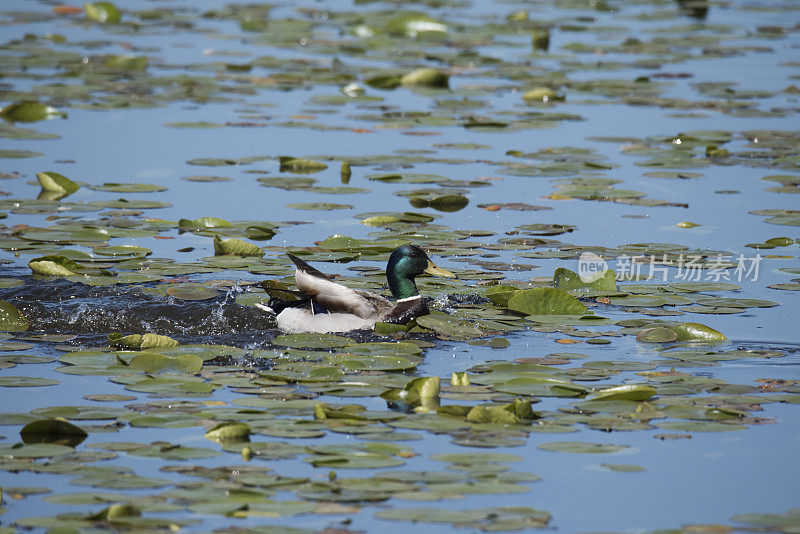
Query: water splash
(63, 307)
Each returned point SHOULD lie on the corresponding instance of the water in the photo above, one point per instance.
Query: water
(121, 127)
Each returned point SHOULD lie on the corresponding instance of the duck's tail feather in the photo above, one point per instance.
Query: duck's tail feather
(306, 268)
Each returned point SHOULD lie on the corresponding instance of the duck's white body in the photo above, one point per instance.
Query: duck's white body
(298, 320)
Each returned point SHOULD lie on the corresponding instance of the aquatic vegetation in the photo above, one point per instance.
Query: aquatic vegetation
(613, 195)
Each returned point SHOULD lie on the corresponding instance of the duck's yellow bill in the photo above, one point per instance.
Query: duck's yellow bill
(438, 271)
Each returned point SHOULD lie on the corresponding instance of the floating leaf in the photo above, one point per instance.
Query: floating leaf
(546, 301)
(631, 392)
(103, 12)
(542, 94)
(450, 327)
(54, 266)
(383, 81)
(236, 247)
(425, 77)
(191, 291)
(413, 24)
(11, 319)
(696, 332)
(141, 342)
(153, 362)
(319, 206)
(36, 450)
(25, 382)
(581, 447)
(116, 512)
(416, 391)
(128, 187)
(29, 112)
(657, 335)
(127, 63)
(567, 280)
(623, 468)
(53, 431)
(203, 222)
(499, 295)
(312, 341)
(56, 183)
(229, 432)
(300, 165)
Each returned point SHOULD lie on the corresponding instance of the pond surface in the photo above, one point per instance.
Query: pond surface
(159, 158)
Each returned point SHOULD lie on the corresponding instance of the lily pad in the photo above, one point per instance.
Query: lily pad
(29, 112)
(154, 362)
(229, 432)
(696, 332)
(11, 319)
(141, 342)
(300, 165)
(103, 12)
(632, 392)
(546, 301)
(236, 247)
(313, 341)
(425, 77)
(53, 431)
(56, 183)
(581, 447)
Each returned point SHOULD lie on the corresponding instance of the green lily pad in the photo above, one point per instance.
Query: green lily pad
(623, 468)
(312, 341)
(569, 280)
(54, 265)
(696, 332)
(350, 362)
(26, 382)
(29, 112)
(236, 247)
(432, 515)
(36, 450)
(141, 342)
(228, 432)
(191, 291)
(581, 447)
(203, 222)
(632, 392)
(56, 183)
(355, 460)
(450, 327)
(113, 187)
(425, 77)
(546, 301)
(103, 12)
(542, 94)
(153, 362)
(657, 335)
(319, 206)
(11, 319)
(52, 431)
(300, 165)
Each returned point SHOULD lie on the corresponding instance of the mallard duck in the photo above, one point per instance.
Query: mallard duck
(326, 306)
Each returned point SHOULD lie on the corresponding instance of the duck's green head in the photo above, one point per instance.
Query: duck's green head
(404, 265)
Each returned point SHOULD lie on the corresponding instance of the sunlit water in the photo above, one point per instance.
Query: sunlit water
(705, 479)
